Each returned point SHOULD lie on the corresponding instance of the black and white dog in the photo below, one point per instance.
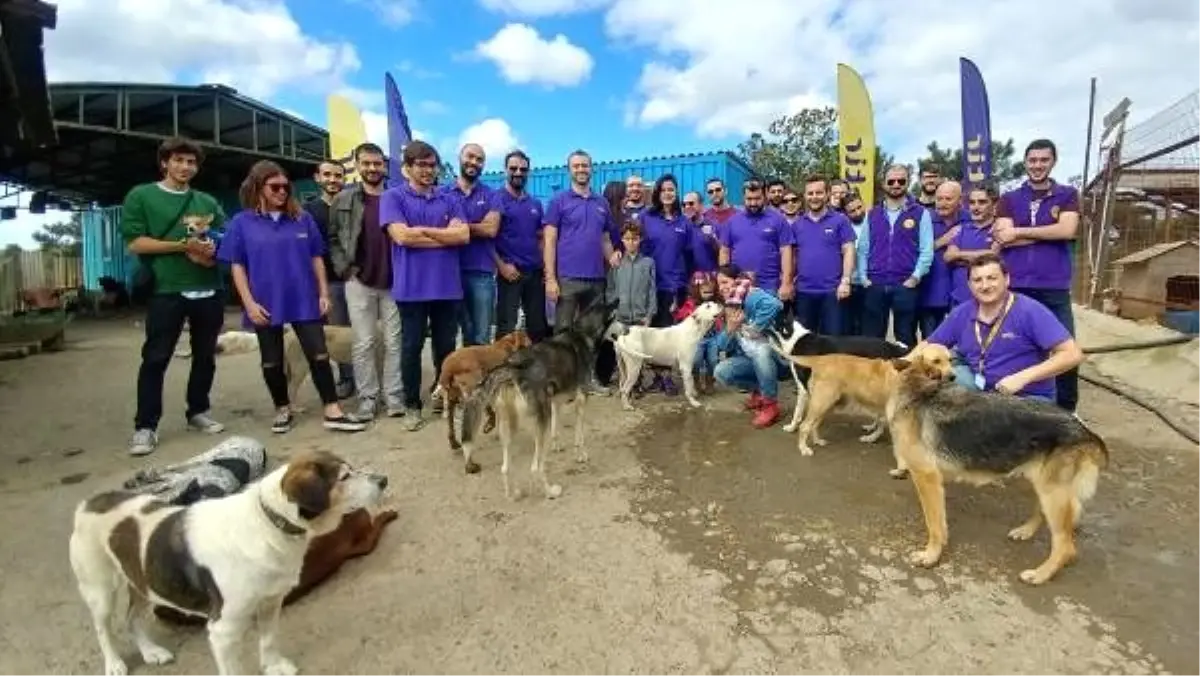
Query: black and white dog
(796, 340)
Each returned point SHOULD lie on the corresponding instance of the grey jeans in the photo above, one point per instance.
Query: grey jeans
(374, 313)
(569, 291)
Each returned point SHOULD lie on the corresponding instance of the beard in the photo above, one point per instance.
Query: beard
(468, 172)
(517, 181)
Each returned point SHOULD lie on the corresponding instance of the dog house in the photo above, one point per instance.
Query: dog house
(1159, 278)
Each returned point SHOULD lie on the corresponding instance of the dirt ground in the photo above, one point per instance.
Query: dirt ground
(690, 544)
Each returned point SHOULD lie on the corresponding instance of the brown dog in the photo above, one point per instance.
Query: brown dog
(462, 372)
(942, 431)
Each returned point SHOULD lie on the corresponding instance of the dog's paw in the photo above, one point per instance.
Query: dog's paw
(1035, 576)
(1023, 532)
(821, 441)
(386, 516)
(925, 558)
(472, 467)
(791, 427)
(582, 458)
(805, 451)
(869, 427)
(553, 491)
(627, 406)
(280, 667)
(695, 403)
(115, 667)
(156, 654)
(897, 473)
(869, 438)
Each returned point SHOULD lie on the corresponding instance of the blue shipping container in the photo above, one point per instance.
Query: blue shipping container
(692, 172)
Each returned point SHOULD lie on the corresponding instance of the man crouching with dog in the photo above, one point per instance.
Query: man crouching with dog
(751, 363)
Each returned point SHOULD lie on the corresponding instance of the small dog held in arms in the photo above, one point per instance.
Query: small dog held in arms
(465, 368)
(231, 559)
(944, 431)
(670, 346)
(533, 384)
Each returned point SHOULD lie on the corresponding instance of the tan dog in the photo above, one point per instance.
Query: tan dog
(462, 372)
(943, 431)
(862, 382)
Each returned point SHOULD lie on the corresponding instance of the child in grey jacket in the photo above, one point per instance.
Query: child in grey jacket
(632, 281)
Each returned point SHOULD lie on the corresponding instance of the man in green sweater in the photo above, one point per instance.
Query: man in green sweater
(169, 225)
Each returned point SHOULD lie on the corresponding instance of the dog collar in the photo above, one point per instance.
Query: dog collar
(280, 521)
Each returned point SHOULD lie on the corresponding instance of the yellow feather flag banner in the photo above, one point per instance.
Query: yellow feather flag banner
(346, 131)
(856, 133)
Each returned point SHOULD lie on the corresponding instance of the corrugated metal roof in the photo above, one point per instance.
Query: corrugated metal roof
(1154, 252)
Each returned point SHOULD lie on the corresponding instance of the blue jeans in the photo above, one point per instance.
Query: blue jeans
(852, 312)
(478, 307)
(898, 301)
(1058, 302)
(441, 318)
(756, 368)
(706, 355)
(963, 375)
(819, 312)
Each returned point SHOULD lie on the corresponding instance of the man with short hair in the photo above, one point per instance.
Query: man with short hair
(933, 298)
(1035, 224)
(518, 253)
(428, 230)
(478, 257)
(824, 260)
(703, 245)
(791, 207)
(361, 256)
(775, 190)
(931, 178)
(758, 241)
(636, 199)
(171, 226)
(720, 210)
(578, 241)
(852, 307)
(330, 178)
(895, 252)
(838, 190)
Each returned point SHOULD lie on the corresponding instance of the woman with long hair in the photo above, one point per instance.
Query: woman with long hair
(667, 237)
(275, 252)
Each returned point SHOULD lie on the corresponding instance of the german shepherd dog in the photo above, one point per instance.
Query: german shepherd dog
(533, 384)
(942, 430)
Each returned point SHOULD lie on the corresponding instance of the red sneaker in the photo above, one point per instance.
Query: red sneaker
(768, 414)
(754, 402)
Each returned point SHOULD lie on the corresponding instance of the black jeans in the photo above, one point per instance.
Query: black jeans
(527, 293)
(662, 316)
(1066, 385)
(165, 314)
(441, 318)
(311, 336)
(929, 318)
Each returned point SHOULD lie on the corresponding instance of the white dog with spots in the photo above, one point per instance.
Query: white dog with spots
(670, 346)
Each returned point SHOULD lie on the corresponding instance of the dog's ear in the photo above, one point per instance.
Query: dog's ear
(309, 481)
(901, 364)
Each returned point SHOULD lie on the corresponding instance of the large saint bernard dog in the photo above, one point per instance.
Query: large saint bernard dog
(231, 559)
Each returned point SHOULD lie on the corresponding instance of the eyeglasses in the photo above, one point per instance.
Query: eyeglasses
(690, 203)
(518, 170)
(897, 181)
(278, 187)
(791, 200)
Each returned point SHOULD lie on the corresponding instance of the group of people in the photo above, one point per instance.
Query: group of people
(418, 258)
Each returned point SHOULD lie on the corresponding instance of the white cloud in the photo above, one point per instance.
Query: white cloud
(256, 47)
(524, 57)
(377, 128)
(541, 8)
(731, 73)
(494, 134)
(394, 13)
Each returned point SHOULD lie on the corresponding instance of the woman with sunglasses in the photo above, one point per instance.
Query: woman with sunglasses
(275, 251)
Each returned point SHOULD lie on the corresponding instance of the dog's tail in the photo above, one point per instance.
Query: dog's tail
(1093, 457)
(625, 349)
(496, 381)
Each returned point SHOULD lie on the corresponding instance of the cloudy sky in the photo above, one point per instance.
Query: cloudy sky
(633, 78)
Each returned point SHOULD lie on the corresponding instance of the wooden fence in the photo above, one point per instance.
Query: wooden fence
(23, 270)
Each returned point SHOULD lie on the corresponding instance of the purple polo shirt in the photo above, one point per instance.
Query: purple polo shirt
(420, 274)
(476, 255)
(1045, 264)
(819, 244)
(278, 258)
(934, 290)
(521, 222)
(703, 245)
(971, 237)
(1025, 338)
(666, 240)
(581, 222)
(756, 243)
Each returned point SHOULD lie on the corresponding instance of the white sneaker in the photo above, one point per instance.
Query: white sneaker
(203, 422)
(143, 442)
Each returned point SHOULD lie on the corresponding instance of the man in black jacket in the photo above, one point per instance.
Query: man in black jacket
(330, 178)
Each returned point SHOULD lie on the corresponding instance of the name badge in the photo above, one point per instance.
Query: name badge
(980, 381)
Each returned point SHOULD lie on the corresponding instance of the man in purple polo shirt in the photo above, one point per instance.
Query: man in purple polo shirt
(519, 253)
(1009, 342)
(933, 297)
(478, 257)
(703, 247)
(757, 240)
(895, 251)
(824, 260)
(428, 230)
(1034, 225)
(636, 200)
(578, 241)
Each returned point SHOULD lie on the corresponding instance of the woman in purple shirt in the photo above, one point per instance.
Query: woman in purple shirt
(276, 253)
(973, 240)
(1007, 341)
(667, 237)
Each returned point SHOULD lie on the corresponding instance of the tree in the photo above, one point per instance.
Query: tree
(798, 145)
(65, 238)
(950, 162)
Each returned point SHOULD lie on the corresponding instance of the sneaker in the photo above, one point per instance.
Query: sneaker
(203, 422)
(395, 409)
(344, 423)
(282, 423)
(767, 415)
(144, 442)
(413, 420)
(366, 409)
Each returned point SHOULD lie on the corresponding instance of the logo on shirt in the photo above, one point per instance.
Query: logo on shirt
(1054, 211)
(302, 235)
(480, 203)
(909, 224)
(535, 211)
(1008, 335)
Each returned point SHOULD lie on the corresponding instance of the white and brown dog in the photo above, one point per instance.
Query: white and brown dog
(670, 346)
(231, 559)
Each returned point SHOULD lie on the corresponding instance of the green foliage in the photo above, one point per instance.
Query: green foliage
(65, 238)
(949, 161)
